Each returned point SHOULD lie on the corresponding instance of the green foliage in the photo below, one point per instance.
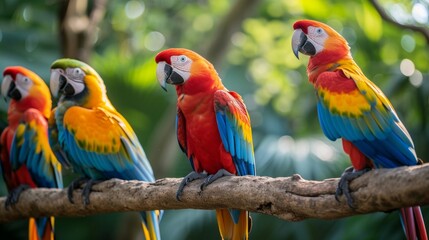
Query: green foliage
(260, 66)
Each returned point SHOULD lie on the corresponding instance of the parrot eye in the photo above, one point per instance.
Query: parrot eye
(319, 31)
(181, 62)
(23, 82)
(75, 73)
(182, 58)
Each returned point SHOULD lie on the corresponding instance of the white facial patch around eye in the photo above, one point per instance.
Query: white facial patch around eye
(75, 74)
(181, 62)
(317, 34)
(75, 78)
(23, 84)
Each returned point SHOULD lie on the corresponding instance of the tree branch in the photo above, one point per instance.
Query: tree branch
(424, 31)
(289, 198)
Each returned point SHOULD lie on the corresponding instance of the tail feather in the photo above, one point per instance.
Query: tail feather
(228, 229)
(420, 223)
(150, 225)
(413, 223)
(41, 228)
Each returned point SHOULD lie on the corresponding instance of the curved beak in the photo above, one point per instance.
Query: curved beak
(58, 83)
(54, 82)
(13, 92)
(9, 89)
(166, 74)
(6, 85)
(300, 43)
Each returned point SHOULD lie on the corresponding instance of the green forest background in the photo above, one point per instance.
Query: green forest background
(249, 43)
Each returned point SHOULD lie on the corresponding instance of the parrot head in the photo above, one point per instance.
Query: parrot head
(74, 80)
(318, 40)
(185, 69)
(26, 89)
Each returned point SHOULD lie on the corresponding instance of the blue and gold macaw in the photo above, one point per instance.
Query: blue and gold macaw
(95, 139)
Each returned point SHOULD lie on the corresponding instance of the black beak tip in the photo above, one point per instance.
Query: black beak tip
(296, 53)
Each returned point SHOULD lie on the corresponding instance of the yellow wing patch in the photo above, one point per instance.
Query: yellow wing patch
(349, 104)
(354, 102)
(94, 129)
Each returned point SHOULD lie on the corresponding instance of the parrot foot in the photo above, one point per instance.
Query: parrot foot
(189, 178)
(13, 197)
(87, 190)
(343, 185)
(211, 178)
(73, 185)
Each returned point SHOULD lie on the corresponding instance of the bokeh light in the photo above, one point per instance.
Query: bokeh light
(416, 79)
(323, 151)
(407, 67)
(154, 41)
(134, 9)
(401, 14)
(420, 13)
(408, 43)
(27, 14)
(238, 38)
(203, 23)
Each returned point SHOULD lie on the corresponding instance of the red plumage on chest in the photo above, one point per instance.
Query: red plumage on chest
(200, 134)
(335, 82)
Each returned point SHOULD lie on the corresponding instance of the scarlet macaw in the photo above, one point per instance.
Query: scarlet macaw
(354, 109)
(96, 140)
(213, 128)
(27, 160)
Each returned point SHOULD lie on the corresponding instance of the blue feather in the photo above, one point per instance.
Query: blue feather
(222, 129)
(232, 135)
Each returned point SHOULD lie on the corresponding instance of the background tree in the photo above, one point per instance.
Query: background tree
(255, 60)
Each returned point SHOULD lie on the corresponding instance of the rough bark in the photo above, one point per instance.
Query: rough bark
(289, 198)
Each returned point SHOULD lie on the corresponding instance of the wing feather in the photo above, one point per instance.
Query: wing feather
(102, 145)
(234, 128)
(30, 147)
(364, 116)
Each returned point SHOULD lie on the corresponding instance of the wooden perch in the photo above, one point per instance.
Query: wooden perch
(289, 198)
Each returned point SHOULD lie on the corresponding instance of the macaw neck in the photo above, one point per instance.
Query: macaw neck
(196, 95)
(17, 108)
(326, 61)
(65, 104)
(88, 98)
(201, 84)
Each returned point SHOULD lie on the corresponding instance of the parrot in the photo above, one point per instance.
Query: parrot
(212, 126)
(353, 108)
(94, 138)
(26, 158)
